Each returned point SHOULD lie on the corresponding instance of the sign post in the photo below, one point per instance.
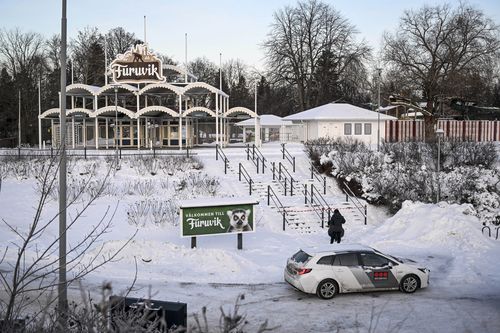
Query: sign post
(217, 217)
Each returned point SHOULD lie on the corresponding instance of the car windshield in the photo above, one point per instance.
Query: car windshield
(301, 257)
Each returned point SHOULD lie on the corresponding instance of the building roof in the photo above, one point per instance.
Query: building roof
(338, 111)
(266, 120)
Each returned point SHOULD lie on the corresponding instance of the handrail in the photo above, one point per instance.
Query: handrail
(256, 159)
(319, 200)
(317, 177)
(288, 156)
(349, 195)
(219, 152)
(246, 175)
(277, 202)
(282, 171)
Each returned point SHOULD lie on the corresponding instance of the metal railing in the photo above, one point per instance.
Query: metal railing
(220, 153)
(86, 152)
(271, 195)
(315, 175)
(257, 157)
(349, 195)
(318, 203)
(486, 227)
(284, 177)
(243, 172)
(288, 156)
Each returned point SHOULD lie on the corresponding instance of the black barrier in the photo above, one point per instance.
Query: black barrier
(165, 315)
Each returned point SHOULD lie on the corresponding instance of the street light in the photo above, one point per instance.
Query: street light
(379, 70)
(439, 134)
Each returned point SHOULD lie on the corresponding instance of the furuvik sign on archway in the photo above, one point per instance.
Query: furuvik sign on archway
(138, 65)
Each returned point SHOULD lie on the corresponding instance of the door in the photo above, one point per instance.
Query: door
(379, 270)
(348, 272)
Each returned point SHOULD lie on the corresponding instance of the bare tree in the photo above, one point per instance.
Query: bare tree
(436, 47)
(119, 41)
(33, 273)
(300, 41)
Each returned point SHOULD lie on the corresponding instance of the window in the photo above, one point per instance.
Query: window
(301, 257)
(368, 129)
(346, 259)
(373, 260)
(357, 129)
(326, 260)
(347, 129)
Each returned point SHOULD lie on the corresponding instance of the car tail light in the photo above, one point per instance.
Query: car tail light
(302, 271)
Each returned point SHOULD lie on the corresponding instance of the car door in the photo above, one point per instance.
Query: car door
(380, 271)
(348, 272)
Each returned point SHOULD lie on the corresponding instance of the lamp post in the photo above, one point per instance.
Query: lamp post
(379, 70)
(439, 134)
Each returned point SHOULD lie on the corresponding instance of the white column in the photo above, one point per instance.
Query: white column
(138, 133)
(180, 122)
(146, 134)
(73, 130)
(96, 135)
(107, 133)
(39, 119)
(216, 118)
(244, 134)
(84, 130)
(52, 132)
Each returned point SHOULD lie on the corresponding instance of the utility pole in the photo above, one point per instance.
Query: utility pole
(62, 287)
(19, 123)
(378, 109)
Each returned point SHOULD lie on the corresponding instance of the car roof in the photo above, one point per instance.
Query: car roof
(337, 248)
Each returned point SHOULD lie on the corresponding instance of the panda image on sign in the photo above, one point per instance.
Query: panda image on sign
(238, 219)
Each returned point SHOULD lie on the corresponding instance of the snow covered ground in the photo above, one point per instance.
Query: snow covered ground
(464, 292)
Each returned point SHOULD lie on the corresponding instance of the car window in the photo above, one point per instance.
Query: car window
(373, 260)
(301, 257)
(346, 259)
(326, 260)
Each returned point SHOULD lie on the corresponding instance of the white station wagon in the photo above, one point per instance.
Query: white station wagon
(350, 268)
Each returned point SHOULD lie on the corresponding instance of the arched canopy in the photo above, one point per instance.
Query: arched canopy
(158, 88)
(110, 89)
(154, 110)
(81, 90)
(112, 109)
(76, 111)
(239, 110)
(199, 109)
(202, 88)
(50, 113)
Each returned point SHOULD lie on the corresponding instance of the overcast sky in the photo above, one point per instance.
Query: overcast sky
(234, 28)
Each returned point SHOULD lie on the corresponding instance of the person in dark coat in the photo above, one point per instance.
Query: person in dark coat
(335, 229)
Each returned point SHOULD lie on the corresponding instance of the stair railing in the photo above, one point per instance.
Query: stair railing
(271, 195)
(284, 177)
(316, 175)
(243, 172)
(220, 153)
(318, 203)
(350, 196)
(288, 156)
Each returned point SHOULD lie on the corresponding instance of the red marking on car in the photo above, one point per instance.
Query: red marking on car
(302, 271)
(380, 275)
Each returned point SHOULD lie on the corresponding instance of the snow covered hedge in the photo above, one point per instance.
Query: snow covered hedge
(469, 172)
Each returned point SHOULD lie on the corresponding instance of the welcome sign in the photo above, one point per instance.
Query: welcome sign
(198, 219)
(138, 65)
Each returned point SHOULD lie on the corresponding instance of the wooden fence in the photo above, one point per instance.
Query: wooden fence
(469, 130)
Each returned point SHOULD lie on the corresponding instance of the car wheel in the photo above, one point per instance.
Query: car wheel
(327, 289)
(409, 284)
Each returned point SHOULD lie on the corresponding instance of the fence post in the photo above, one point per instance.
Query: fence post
(324, 185)
(279, 172)
(312, 172)
(283, 150)
(312, 194)
(216, 152)
(239, 171)
(268, 193)
(346, 196)
(284, 219)
(225, 165)
(85, 152)
(250, 182)
(274, 170)
(291, 186)
(253, 151)
(257, 164)
(51, 152)
(323, 217)
(248, 152)
(263, 166)
(366, 215)
(293, 158)
(120, 153)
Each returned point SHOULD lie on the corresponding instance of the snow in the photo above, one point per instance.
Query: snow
(444, 237)
(266, 120)
(218, 202)
(338, 111)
